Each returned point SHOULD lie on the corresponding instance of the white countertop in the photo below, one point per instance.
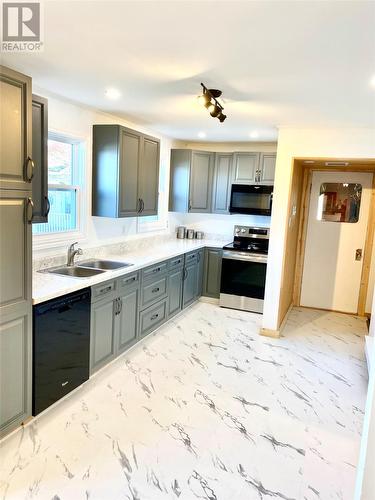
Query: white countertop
(48, 286)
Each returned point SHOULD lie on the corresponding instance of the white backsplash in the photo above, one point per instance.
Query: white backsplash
(130, 245)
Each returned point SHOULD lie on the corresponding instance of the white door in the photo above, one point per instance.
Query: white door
(336, 229)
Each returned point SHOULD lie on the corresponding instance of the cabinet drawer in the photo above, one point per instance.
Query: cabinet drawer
(153, 291)
(154, 271)
(152, 317)
(176, 262)
(103, 290)
(128, 280)
(191, 257)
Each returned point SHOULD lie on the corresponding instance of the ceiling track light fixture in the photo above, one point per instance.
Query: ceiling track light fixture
(209, 100)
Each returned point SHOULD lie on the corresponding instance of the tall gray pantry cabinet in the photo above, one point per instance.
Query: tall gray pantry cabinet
(16, 172)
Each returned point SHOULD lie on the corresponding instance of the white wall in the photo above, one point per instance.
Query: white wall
(300, 143)
(214, 224)
(365, 487)
(77, 120)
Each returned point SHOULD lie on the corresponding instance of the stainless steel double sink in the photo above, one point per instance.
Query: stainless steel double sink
(87, 268)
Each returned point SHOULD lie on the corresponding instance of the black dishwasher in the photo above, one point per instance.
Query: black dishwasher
(61, 347)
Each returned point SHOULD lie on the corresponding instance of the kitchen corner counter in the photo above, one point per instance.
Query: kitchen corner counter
(48, 286)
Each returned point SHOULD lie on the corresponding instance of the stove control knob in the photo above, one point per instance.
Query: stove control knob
(243, 230)
(237, 230)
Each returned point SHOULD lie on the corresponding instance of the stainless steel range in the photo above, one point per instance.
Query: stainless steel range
(244, 267)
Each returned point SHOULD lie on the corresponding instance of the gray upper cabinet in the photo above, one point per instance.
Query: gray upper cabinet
(16, 165)
(267, 168)
(191, 179)
(148, 177)
(201, 175)
(125, 172)
(130, 157)
(246, 166)
(222, 183)
(40, 158)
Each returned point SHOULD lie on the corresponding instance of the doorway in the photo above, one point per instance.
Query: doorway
(296, 234)
(337, 223)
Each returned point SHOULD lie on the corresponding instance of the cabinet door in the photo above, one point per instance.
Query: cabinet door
(222, 183)
(212, 272)
(201, 182)
(127, 319)
(16, 167)
(102, 346)
(246, 166)
(15, 310)
(190, 284)
(148, 179)
(179, 180)
(40, 158)
(175, 280)
(267, 168)
(130, 152)
(200, 272)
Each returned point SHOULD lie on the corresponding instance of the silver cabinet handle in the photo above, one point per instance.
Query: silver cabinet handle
(120, 305)
(143, 205)
(29, 169)
(154, 317)
(139, 206)
(130, 280)
(105, 290)
(156, 270)
(155, 290)
(29, 210)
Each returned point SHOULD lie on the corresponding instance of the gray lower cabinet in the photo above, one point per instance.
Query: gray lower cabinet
(200, 272)
(212, 272)
(153, 317)
(175, 283)
(127, 319)
(114, 319)
(133, 306)
(102, 337)
(40, 158)
(190, 287)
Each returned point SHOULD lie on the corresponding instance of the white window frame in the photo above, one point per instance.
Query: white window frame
(48, 240)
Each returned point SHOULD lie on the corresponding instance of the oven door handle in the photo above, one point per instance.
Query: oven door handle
(261, 259)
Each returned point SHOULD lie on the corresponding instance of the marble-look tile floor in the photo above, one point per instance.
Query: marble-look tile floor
(205, 408)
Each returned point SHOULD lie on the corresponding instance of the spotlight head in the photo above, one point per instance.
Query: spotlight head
(204, 99)
(214, 111)
(222, 117)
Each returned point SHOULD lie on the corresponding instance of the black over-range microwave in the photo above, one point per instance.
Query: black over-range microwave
(251, 199)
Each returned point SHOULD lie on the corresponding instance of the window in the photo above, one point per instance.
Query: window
(339, 202)
(65, 178)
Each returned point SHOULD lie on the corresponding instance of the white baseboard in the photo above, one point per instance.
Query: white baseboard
(209, 300)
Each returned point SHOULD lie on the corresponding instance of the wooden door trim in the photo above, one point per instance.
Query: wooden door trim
(302, 232)
(367, 254)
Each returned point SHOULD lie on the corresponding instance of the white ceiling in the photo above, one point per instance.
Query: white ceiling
(299, 63)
